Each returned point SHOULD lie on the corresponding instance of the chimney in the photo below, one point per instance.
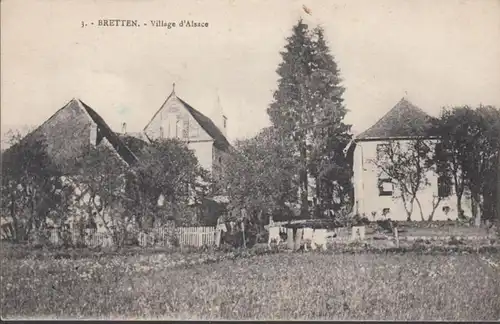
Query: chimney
(124, 128)
(218, 116)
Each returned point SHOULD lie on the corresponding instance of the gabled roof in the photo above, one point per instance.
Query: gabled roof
(65, 133)
(403, 120)
(206, 123)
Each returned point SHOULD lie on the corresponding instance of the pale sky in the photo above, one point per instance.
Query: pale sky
(440, 53)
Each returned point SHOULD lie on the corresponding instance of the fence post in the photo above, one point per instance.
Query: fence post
(243, 231)
(298, 238)
(217, 236)
(396, 234)
(289, 238)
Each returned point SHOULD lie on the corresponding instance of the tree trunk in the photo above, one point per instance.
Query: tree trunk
(420, 209)
(477, 218)
(304, 208)
(475, 208)
(459, 206)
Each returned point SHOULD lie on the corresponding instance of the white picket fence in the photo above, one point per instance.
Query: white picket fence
(196, 236)
(186, 236)
(91, 238)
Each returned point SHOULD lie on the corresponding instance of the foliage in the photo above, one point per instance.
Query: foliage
(260, 176)
(33, 188)
(102, 181)
(330, 135)
(308, 111)
(470, 142)
(408, 165)
(169, 173)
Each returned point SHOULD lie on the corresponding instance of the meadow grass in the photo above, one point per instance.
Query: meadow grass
(314, 285)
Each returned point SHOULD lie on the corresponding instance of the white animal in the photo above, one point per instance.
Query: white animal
(307, 237)
(274, 235)
(319, 239)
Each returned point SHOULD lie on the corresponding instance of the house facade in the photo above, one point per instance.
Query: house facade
(177, 119)
(376, 195)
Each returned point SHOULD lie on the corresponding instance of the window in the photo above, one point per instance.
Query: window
(385, 187)
(185, 129)
(444, 186)
(382, 150)
(194, 130)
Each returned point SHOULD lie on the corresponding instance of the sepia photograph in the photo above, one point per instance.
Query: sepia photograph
(250, 160)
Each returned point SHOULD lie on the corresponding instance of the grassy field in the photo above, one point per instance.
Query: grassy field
(331, 286)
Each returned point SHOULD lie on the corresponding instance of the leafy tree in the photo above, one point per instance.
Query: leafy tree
(482, 157)
(102, 180)
(260, 177)
(455, 141)
(167, 171)
(469, 151)
(308, 110)
(408, 165)
(33, 189)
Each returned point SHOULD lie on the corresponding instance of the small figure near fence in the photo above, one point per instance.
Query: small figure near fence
(219, 230)
(358, 233)
(307, 237)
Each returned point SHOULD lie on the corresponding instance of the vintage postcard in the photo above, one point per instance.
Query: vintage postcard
(250, 160)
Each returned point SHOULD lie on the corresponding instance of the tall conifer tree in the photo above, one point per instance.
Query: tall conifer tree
(308, 109)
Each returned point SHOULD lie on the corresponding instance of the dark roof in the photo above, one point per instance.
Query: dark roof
(403, 120)
(206, 123)
(136, 145)
(111, 136)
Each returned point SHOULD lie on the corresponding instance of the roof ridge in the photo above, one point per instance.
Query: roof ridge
(47, 120)
(191, 110)
(172, 94)
(206, 123)
(385, 124)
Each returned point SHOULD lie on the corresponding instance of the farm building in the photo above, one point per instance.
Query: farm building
(67, 135)
(177, 119)
(376, 195)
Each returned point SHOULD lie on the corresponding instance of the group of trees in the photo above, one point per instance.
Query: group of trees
(462, 148)
(304, 145)
(100, 187)
(302, 151)
(469, 155)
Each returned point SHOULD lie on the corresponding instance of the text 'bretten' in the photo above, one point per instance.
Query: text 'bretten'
(117, 23)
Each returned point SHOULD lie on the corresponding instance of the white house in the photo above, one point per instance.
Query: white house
(376, 196)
